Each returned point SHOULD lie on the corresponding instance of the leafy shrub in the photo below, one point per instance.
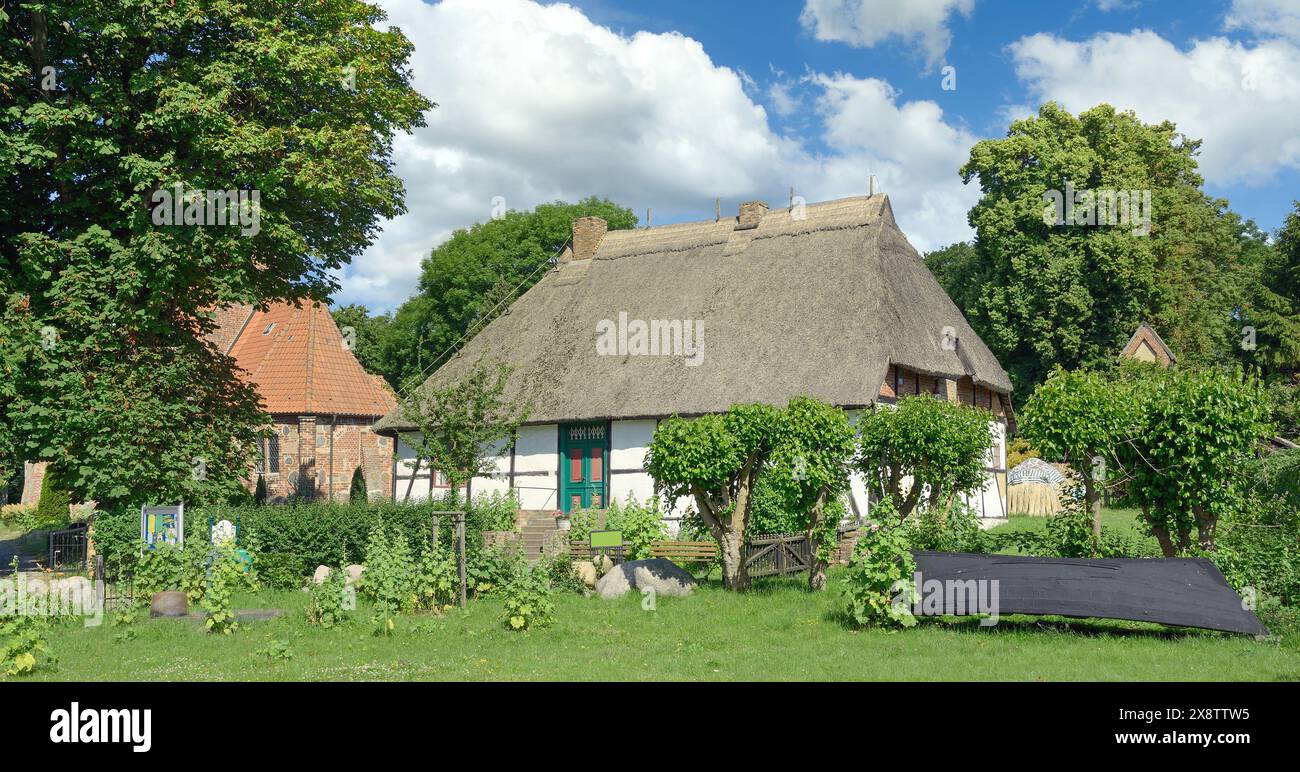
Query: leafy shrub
(558, 570)
(437, 581)
(879, 574)
(527, 599)
(495, 511)
(488, 569)
(224, 576)
(389, 578)
(357, 492)
(23, 643)
(169, 568)
(331, 599)
(1258, 546)
(259, 492)
(641, 526)
(955, 529)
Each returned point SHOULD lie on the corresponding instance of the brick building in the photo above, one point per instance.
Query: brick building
(322, 403)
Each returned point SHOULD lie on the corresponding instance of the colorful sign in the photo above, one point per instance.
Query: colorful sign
(162, 525)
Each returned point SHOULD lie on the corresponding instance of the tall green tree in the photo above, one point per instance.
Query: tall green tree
(1274, 312)
(930, 444)
(475, 274)
(117, 116)
(1081, 417)
(1071, 293)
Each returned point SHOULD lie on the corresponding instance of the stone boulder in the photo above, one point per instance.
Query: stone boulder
(663, 576)
(585, 572)
(353, 571)
(169, 604)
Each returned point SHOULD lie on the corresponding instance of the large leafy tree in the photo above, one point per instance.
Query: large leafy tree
(808, 470)
(1275, 308)
(938, 446)
(1187, 458)
(1081, 417)
(717, 460)
(1071, 294)
(474, 275)
(105, 105)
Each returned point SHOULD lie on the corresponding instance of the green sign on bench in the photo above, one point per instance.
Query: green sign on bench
(605, 539)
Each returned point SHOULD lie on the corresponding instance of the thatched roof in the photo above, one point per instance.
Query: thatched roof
(818, 306)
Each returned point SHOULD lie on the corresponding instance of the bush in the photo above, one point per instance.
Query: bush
(878, 585)
(956, 529)
(437, 582)
(527, 599)
(641, 526)
(331, 599)
(292, 539)
(1259, 546)
(168, 568)
(558, 570)
(357, 492)
(389, 578)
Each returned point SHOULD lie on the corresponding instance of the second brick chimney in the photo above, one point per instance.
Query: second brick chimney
(750, 213)
(587, 233)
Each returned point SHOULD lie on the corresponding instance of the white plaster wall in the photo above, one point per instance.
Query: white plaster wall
(499, 479)
(628, 441)
(536, 466)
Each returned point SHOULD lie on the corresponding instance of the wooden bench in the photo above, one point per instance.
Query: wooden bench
(686, 551)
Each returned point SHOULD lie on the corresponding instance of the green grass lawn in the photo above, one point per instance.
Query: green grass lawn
(777, 631)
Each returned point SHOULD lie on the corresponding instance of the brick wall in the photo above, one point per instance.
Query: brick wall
(305, 447)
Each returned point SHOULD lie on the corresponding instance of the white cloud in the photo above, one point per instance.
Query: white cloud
(537, 103)
(1266, 18)
(1243, 101)
(865, 23)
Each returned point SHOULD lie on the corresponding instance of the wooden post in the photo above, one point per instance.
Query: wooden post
(460, 553)
(434, 538)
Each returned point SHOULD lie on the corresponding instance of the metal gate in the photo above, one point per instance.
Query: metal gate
(67, 549)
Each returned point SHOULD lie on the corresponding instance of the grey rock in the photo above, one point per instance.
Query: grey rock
(659, 574)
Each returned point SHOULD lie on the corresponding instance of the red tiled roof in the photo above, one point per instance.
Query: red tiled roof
(297, 359)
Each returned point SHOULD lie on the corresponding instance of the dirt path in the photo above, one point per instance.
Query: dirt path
(24, 546)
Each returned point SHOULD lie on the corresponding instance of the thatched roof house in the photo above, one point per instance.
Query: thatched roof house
(827, 300)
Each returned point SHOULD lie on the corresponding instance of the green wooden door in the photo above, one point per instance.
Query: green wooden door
(582, 466)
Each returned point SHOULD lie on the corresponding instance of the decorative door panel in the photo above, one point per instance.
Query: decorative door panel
(582, 480)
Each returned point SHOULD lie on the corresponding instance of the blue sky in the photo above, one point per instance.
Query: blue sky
(669, 104)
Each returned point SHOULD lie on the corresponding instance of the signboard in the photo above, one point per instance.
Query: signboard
(162, 525)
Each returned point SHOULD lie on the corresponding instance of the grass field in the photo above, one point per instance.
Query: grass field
(778, 631)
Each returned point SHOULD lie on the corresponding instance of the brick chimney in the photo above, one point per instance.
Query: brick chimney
(750, 213)
(587, 233)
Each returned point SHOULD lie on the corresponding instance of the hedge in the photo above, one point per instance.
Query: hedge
(290, 540)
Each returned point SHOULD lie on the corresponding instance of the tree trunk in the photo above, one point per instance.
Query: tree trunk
(734, 574)
(816, 565)
(1161, 533)
(1205, 527)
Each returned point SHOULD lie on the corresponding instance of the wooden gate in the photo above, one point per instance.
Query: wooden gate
(777, 554)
